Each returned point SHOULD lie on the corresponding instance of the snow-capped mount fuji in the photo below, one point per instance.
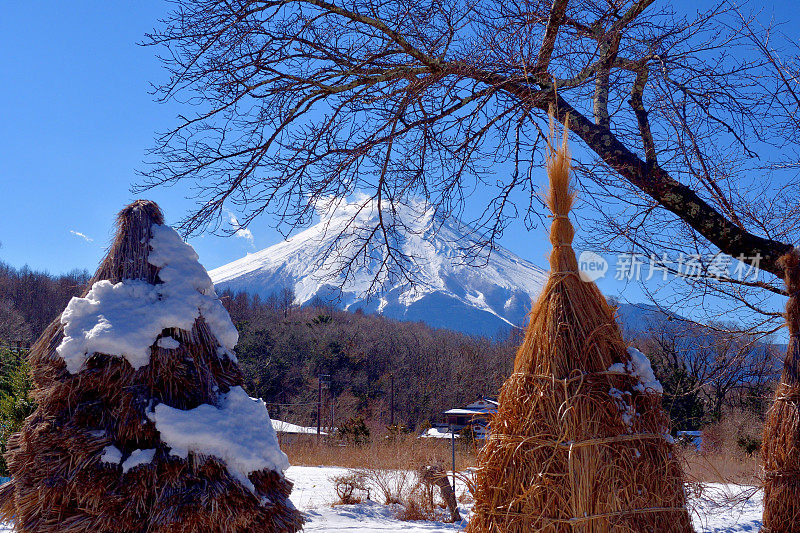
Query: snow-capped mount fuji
(482, 299)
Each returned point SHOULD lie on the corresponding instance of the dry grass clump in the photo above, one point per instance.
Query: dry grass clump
(574, 446)
(465, 497)
(59, 482)
(407, 453)
(416, 509)
(737, 433)
(725, 466)
(780, 449)
(728, 453)
(391, 484)
(412, 495)
(435, 479)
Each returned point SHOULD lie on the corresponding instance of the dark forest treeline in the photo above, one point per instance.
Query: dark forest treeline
(283, 350)
(706, 371)
(30, 300)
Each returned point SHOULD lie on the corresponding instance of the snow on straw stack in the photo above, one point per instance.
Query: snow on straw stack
(781, 439)
(142, 423)
(579, 441)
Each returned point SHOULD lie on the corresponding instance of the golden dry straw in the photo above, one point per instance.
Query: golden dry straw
(59, 484)
(575, 447)
(780, 451)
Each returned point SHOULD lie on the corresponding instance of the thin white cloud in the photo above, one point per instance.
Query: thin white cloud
(81, 235)
(243, 233)
(246, 234)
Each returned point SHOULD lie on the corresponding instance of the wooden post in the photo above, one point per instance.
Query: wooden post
(330, 425)
(453, 451)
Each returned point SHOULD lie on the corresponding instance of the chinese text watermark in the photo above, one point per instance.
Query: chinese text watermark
(641, 267)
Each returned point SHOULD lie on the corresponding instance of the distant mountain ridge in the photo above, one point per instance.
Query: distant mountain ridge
(479, 300)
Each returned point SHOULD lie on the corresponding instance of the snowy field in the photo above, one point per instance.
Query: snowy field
(313, 494)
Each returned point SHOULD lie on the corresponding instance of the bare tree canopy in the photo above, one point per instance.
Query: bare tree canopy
(687, 122)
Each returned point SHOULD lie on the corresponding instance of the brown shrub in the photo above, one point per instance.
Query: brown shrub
(348, 486)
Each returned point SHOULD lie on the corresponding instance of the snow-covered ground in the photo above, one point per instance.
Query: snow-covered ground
(314, 493)
(727, 509)
(719, 509)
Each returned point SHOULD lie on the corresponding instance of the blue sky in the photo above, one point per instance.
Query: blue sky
(76, 121)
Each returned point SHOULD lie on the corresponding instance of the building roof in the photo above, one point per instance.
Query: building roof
(479, 407)
(467, 411)
(285, 427)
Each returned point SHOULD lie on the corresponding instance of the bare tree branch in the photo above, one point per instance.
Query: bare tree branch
(299, 101)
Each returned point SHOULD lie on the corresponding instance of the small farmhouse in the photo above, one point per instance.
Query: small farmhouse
(475, 414)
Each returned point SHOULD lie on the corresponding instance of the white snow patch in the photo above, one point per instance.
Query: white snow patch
(477, 299)
(439, 433)
(185, 277)
(382, 305)
(137, 458)
(640, 368)
(239, 432)
(111, 455)
(286, 427)
(625, 406)
(718, 509)
(224, 352)
(124, 319)
(413, 294)
(168, 343)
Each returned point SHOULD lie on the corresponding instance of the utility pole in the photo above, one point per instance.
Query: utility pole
(322, 378)
(319, 410)
(330, 426)
(391, 401)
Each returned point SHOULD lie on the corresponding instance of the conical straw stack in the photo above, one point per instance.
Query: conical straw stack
(91, 457)
(579, 442)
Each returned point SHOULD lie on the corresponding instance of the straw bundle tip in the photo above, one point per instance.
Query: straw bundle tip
(144, 209)
(560, 198)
